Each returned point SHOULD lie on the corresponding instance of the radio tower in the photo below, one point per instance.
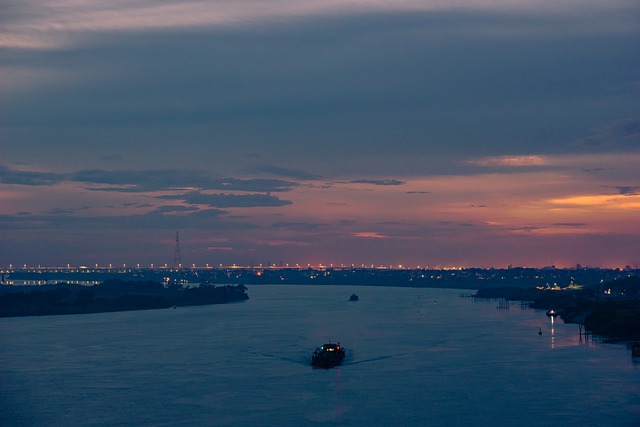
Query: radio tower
(177, 262)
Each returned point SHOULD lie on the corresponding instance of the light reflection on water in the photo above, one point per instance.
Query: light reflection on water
(414, 357)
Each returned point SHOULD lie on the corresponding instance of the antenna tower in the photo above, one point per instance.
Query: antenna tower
(177, 262)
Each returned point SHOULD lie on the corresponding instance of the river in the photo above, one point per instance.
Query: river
(415, 357)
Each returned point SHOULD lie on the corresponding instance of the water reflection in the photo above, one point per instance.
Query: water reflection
(553, 333)
(564, 335)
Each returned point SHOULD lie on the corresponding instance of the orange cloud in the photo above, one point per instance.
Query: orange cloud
(512, 161)
(283, 243)
(600, 201)
(371, 235)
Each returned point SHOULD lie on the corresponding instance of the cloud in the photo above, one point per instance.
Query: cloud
(605, 164)
(282, 243)
(627, 190)
(135, 181)
(174, 209)
(286, 172)
(526, 229)
(571, 224)
(346, 89)
(603, 201)
(348, 222)
(162, 180)
(299, 225)
(318, 100)
(619, 133)
(511, 161)
(371, 235)
(30, 24)
(16, 177)
(228, 200)
(219, 248)
(64, 211)
(377, 181)
(157, 219)
(258, 185)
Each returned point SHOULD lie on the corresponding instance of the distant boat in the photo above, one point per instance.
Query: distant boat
(328, 356)
(552, 313)
(353, 297)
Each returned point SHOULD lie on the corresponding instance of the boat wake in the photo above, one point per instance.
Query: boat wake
(374, 359)
(300, 361)
(304, 360)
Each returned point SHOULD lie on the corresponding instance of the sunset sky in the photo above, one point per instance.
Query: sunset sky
(432, 133)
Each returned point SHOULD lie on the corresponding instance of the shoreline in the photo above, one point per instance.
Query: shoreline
(111, 296)
(614, 318)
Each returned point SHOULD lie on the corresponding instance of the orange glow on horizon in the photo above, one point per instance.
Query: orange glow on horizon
(601, 201)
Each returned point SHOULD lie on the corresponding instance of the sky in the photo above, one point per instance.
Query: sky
(481, 133)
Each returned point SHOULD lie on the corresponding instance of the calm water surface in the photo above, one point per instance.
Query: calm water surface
(415, 357)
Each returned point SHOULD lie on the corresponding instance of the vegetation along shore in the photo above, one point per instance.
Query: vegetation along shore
(610, 309)
(112, 295)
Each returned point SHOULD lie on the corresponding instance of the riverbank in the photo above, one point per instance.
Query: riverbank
(610, 310)
(112, 295)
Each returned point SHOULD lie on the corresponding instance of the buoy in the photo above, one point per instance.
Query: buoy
(539, 331)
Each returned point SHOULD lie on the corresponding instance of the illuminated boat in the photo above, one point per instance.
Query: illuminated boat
(328, 356)
(552, 313)
(353, 297)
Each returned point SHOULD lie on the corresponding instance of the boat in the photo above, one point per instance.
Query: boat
(552, 313)
(328, 356)
(353, 297)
